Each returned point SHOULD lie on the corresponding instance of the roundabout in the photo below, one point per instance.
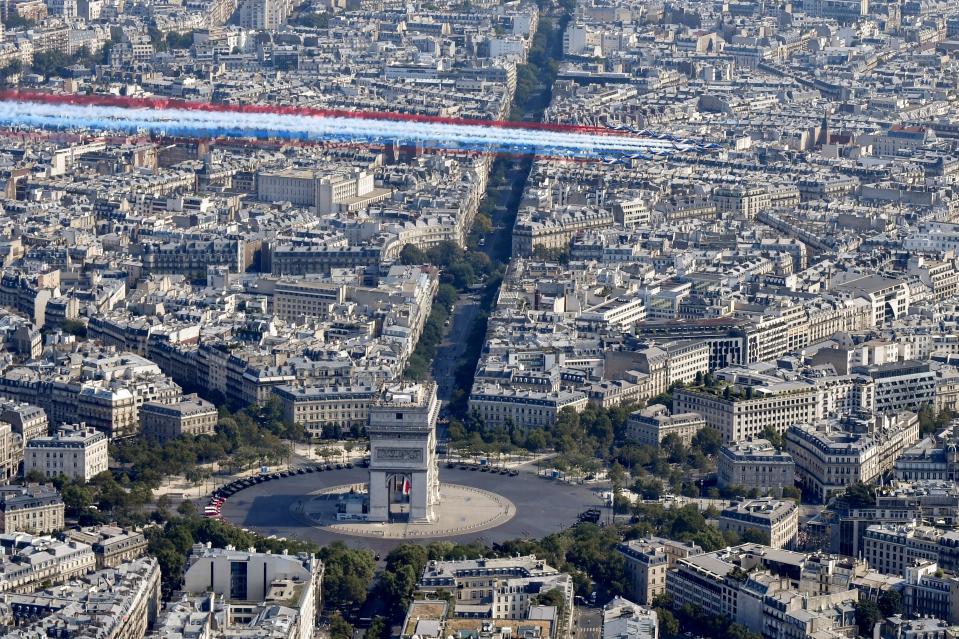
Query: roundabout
(464, 510)
(483, 507)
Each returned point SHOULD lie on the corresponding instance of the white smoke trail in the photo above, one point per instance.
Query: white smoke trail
(317, 128)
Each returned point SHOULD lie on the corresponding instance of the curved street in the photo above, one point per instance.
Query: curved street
(542, 506)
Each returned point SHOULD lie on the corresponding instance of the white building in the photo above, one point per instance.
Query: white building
(745, 413)
(77, 452)
(622, 619)
(243, 579)
(755, 464)
(776, 521)
(832, 454)
(650, 425)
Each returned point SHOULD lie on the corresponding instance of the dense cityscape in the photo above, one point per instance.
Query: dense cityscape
(479, 319)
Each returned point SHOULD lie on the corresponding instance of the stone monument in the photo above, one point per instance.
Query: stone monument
(404, 468)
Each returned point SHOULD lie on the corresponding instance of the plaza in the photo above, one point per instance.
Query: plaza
(540, 507)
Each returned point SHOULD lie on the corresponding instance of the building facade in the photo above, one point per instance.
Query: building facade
(78, 452)
(36, 509)
(775, 521)
(755, 464)
(650, 425)
(191, 416)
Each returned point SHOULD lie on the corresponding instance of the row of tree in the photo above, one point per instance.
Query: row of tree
(420, 362)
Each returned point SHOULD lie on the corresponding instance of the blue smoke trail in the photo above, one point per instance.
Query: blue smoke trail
(192, 123)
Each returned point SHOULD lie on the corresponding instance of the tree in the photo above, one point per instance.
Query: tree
(753, 536)
(859, 495)
(396, 588)
(552, 597)
(791, 492)
(413, 555)
(16, 21)
(379, 629)
(931, 422)
(197, 476)
(867, 616)
(648, 488)
(668, 625)
(312, 20)
(179, 40)
(48, 63)
(773, 436)
(482, 224)
(347, 576)
(34, 476)
(157, 39)
(77, 498)
(74, 327)
(890, 603)
(340, 627)
(412, 255)
(674, 448)
(446, 296)
(326, 453)
(708, 440)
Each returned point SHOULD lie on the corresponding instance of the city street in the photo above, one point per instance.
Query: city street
(454, 343)
(587, 622)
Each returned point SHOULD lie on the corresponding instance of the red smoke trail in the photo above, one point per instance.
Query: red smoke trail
(172, 103)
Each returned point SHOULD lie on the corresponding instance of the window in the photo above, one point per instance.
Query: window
(238, 580)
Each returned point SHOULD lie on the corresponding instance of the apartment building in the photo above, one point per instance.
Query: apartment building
(29, 561)
(11, 453)
(36, 509)
(892, 548)
(501, 588)
(888, 297)
(899, 627)
(77, 452)
(755, 464)
(113, 406)
(647, 562)
(929, 592)
(497, 405)
(191, 416)
(324, 190)
(119, 603)
(27, 420)
(112, 545)
(833, 454)
(316, 407)
(743, 414)
(775, 521)
(930, 459)
(685, 359)
(742, 200)
(191, 258)
(112, 411)
(649, 426)
(775, 592)
(617, 392)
